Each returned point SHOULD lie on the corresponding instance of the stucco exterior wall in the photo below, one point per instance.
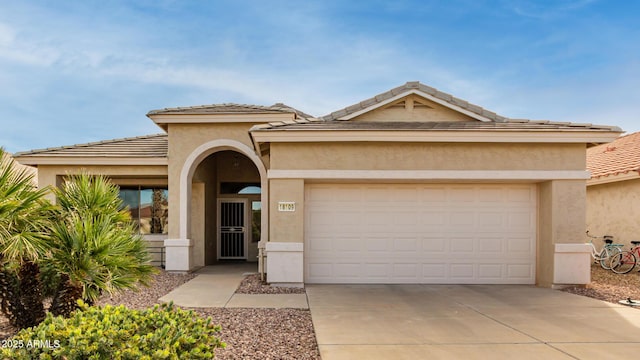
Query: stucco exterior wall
(184, 139)
(561, 220)
(198, 224)
(48, 175)
(612, 209)
(427, 156)
(286, 226)
(561, 209)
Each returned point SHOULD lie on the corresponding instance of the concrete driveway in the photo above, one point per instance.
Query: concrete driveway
(468, 322)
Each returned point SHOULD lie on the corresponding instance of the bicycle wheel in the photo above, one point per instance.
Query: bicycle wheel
(623, 263)
(606, 255)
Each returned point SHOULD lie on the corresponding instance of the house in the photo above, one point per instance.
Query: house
(30, 171)
(410, 186)
(613, 191)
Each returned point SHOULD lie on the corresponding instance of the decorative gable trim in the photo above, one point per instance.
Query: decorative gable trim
(422, 94)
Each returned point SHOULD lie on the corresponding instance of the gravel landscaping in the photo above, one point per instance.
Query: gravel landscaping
(609, 286)
(289, 333)
(249, 333)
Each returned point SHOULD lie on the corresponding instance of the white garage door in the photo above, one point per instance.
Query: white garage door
(420, 233)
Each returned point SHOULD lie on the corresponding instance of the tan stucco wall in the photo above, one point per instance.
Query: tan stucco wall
(198, 224)
(183, 140)
(48, 175)
(29, 169)
(561, 220)
(286, 226)
(427, 156)
(561, 207)
(612, 209)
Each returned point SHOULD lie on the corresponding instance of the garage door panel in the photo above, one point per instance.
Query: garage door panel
(519, 220)
(434, 272)
(522, 194)
(460, 195)
(520, 271)
(377, 270)
(519, 246)
(408, 246)
(461, 272)
(420, 233)
(491, 271)
(432, 217)
(434, 246)
(488, 246)
(459, 245)
(379, 246)
(490, 220)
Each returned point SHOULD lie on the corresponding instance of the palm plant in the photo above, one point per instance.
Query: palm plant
(23, 242)
(95, 245)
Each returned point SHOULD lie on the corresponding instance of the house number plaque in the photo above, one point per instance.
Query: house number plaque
(286, 206)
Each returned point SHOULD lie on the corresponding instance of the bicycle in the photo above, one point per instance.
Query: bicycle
(606, 253)
(625, 261)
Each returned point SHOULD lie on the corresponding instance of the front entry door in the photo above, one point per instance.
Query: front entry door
(232, 229)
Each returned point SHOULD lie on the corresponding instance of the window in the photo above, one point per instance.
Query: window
(149, 208)
(256, 215)
(243, 188)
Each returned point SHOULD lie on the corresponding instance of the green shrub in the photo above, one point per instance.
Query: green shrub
(162, 332)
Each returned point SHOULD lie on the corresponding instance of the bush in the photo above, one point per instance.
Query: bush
(161, 332)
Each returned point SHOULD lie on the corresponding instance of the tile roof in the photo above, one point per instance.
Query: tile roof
(617, 157)
(151, 146)
(432, 126)
(412, 86)
(407, 87)
(230, 108)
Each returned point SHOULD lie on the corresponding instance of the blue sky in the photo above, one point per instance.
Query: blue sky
(81, 71)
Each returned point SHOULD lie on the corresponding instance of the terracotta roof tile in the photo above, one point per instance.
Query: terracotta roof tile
(618, 157)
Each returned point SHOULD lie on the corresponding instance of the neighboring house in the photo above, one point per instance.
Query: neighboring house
(613, 192)
(410, 186)
(29, 169)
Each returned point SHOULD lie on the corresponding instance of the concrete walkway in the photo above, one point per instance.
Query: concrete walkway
(468, 322)
(215, 286)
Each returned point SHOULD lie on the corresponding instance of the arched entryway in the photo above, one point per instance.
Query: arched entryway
(223, 197)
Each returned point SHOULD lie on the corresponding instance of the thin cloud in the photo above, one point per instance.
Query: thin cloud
(544, 10)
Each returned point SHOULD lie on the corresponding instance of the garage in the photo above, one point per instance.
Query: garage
(420, 233)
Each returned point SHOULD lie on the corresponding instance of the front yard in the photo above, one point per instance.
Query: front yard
(289, 333)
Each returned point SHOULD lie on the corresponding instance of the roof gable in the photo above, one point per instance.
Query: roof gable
(413, 108)
(424, 95)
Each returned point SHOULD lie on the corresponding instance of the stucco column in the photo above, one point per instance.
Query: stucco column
(285, 248)
(562, 256)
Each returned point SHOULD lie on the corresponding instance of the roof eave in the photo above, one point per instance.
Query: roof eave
(35, 160)
(163, 120)
(611, 178)
(484, 136)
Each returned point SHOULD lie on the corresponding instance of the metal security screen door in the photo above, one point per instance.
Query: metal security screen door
(232, 229)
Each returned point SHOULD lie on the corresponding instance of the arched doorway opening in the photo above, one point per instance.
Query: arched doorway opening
(223, 203)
